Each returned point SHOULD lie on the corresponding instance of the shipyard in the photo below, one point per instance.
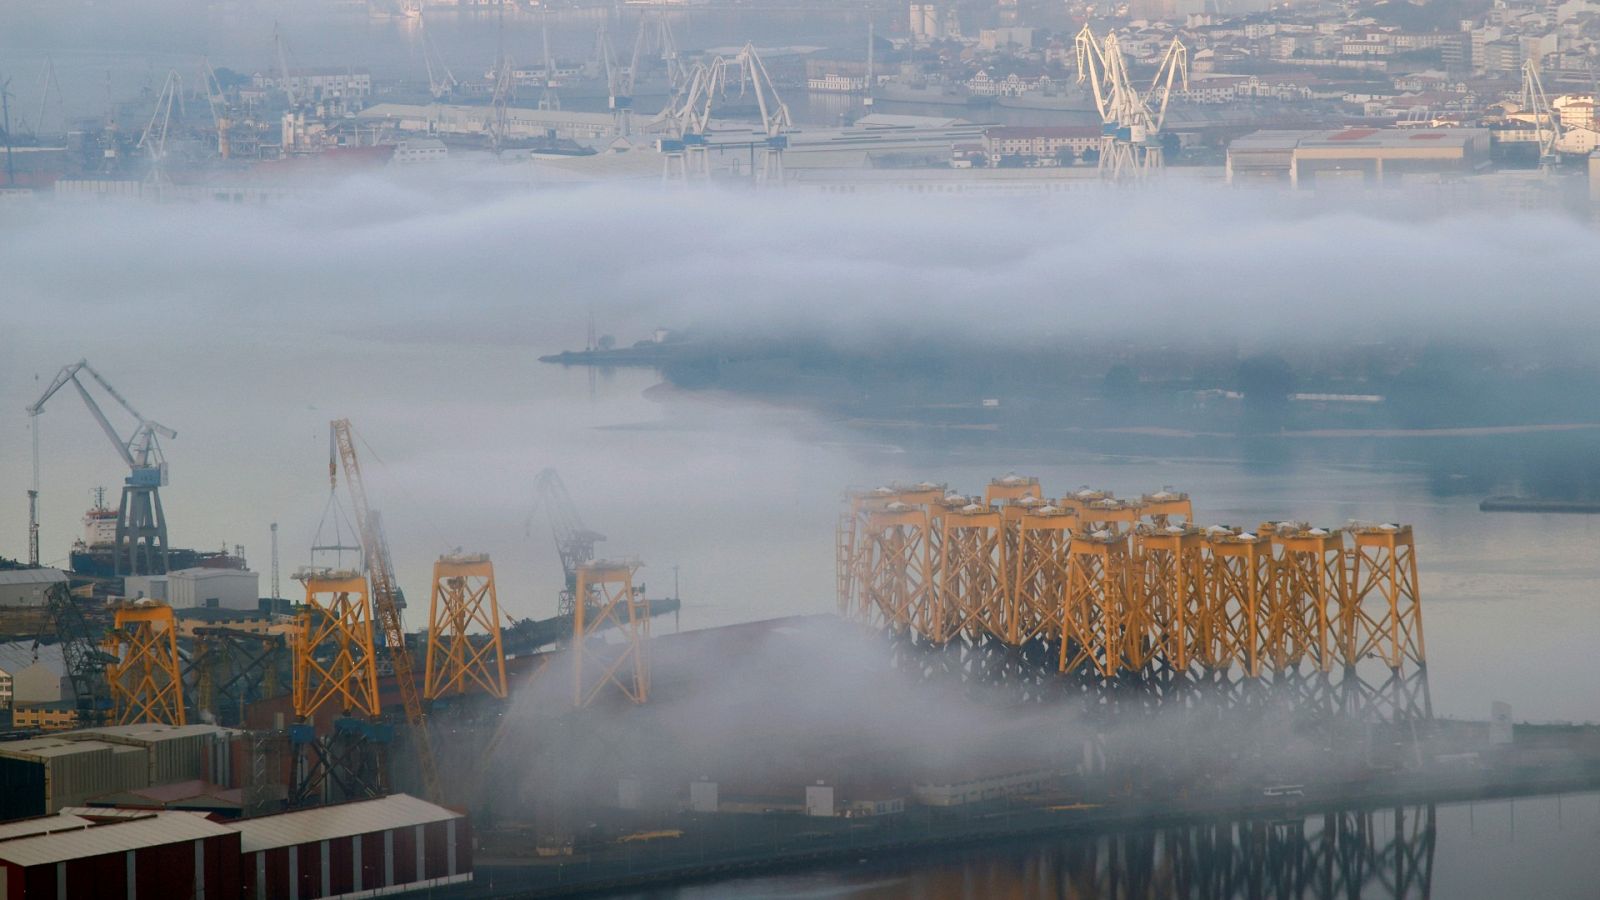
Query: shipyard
(703, 449)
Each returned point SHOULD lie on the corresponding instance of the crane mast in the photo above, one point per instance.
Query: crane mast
(574, 541)
(385, 599)
(141, 542)
(1130, 144)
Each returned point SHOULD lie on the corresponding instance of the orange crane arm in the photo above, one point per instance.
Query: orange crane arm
(381, 573)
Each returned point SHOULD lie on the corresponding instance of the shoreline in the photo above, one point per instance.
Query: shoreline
(1006, 823)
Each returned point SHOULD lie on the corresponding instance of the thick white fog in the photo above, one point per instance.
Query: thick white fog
(419, 311)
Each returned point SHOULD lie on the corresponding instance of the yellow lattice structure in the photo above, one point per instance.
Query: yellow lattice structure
(1011, 488)
(146, 682)
(1098, 623)
(464, 601)
(608, 606)
(898, 589)
(1170, 568)
(1306, 621)
(1038, 572)
(1132, 585)
(1386, 610)
(970, 587)
(1239, 584)
(335, 661)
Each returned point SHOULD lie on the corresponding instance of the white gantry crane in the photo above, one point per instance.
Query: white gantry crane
(1131, 143)
(154, 139)
(441, 81)
(1546, 124)
(686, 121)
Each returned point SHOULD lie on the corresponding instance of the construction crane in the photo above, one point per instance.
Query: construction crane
(499, 100)
(1546, 125)
(1131, 137)
(441, 81)
(655, 36)
(216, 99)
(619, 82)
(688, 115)
(81, 655)
(574, 541)
(141, 544)
(385, 597)
(549, 99)
(153, 141)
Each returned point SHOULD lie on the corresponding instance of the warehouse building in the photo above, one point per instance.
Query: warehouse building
(40, 776)
(363, 849)
(1362, 157)
(398, 842)
(199, 588)
(26, 587)
(175, 854)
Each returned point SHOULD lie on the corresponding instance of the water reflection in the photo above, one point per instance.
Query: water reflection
(1533, 847)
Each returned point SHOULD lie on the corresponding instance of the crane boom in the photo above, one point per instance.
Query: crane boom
(386, 608)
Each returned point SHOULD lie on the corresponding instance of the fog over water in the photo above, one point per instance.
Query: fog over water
(418, 312)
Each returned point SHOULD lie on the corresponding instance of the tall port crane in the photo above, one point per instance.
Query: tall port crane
(385, 599)
(141, 544)
(441, 81)
(1131, 144)
(687, 118)
(81, 655)
(574, 541)
(1546, 125)
(153, 141)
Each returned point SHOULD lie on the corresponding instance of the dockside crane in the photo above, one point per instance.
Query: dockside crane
(686, 120)
(1546, 125)
(441, 81)
(574, 541)
(141, 543)
(1131, 141)
(153, 141)
(385, 600)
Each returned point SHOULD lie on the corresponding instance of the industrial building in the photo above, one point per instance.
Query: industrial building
(199, 588)
(444, 118)
(154, 855)
(354, 849)
(362, 849)
(1356, 156)
(26, 587)
(42, 775)
(31, 674)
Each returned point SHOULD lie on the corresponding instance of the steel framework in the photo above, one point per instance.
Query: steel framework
(1116, 589)
(607, 600)
(335, 660)
(146, 681)
(464, 599)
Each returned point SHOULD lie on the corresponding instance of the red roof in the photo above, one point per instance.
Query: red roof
(1353, 134)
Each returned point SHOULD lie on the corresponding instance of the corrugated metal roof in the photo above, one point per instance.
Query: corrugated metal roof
(49, 747)
(40, 825)
(147, 731)
(115, 837)
(18, 655)
(343, 820)
(32, 576)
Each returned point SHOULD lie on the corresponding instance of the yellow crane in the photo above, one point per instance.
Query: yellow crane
(380, 572)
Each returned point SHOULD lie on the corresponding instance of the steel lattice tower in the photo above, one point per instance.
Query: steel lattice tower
(606, 599)
(464, 599)
(147, 683)
(335, 659)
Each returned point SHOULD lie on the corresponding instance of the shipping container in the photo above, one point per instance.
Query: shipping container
(174, 752)
(45, 774)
